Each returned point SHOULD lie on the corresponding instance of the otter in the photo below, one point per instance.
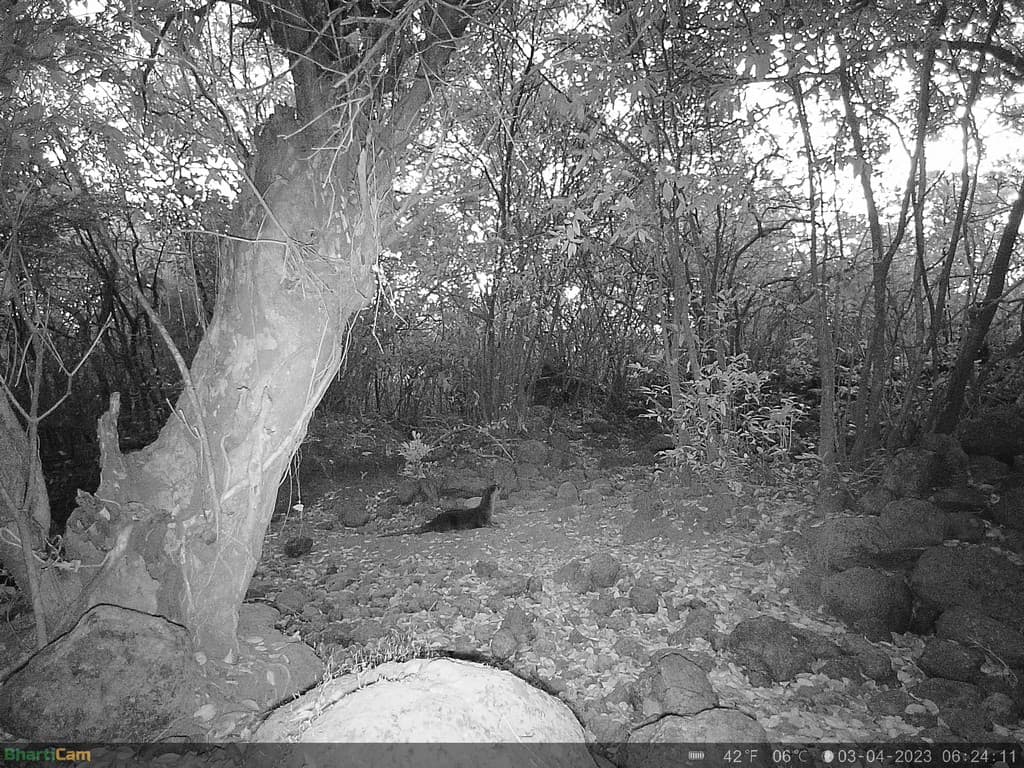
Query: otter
(457, 519)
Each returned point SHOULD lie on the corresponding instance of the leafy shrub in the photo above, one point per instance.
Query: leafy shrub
(414, 451)
(729, 418)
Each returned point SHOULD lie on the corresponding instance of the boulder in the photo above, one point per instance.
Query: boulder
(996, 432)
(971, 576)
(962, 498)
(973, 628)
(1009, 509)
(918, 470)
(667, 743)
(894, 540)
(874, 500)
(117, 675)
(989, 469)
(773, 651)
(948, 695)
(404, 707)
(673, 685)
(916, 514)
(950, 660)
(870, 601)
(271, 667)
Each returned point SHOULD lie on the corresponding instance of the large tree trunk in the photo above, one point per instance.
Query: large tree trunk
(178, 527)
(189, 512)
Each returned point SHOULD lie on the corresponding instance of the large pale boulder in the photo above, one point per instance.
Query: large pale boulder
(430, 711)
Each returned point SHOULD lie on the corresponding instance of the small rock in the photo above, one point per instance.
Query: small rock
(999, 708)
(486, 568)
(575, 575)
(604, 570)
(630, 646)
(503, 644)
(566, 513)
(367, 631)
(567, 493)
(602, 606)
(1009, 509)
(889, 703)
(335, 634)
(520, 624)
(467, 606)
(837, 669)
(609, 730)
(297, 546)
(874, 663)
(407, 491)
(534, 585)
(512, 586)
(673, 684)
(559, 441)
(291, 601)
(698, 622)
(644, 600)
(355, 517)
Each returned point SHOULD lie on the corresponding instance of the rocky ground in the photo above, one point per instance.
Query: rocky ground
(693, 561)
(646, 596)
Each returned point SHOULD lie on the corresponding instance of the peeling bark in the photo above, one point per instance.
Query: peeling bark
(171, 544)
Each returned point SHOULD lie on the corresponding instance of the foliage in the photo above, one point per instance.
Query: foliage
(94, 182)
(568, 195)
(741, 424)
(413, 452)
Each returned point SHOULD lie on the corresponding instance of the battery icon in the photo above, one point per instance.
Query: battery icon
(695, 754)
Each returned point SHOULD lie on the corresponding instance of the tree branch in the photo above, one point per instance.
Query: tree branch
(1011, 59)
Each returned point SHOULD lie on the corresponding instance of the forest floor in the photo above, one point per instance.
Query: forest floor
(739, 553)
(738, 548)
